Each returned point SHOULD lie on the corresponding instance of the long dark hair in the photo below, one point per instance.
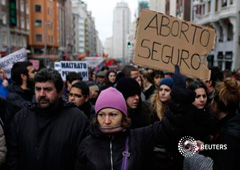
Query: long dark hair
(197, 84)
(108, 83)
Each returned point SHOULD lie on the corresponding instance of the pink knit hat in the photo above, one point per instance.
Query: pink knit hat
(111, 98)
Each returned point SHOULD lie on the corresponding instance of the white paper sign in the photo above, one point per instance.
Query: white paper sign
(64, 67)
(7, 62)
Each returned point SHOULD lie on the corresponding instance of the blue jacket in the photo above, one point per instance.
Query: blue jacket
(3, 90)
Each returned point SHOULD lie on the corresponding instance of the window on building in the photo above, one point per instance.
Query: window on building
(210, 59)
(4, 19)
(203, 9)
(224, 3)
(209, 7)
(220, 64)
(38, 37)
(199, 9)
(28, 26)
(220, 60)
(12, 40)
(220, 55)
(38, 23)
(229, 55)
(21, 6)
(22, 22)
(4, 39)
(216, 5)
(27, 9)
(229, 32)
(220, 34)
(24, 41)
(228, 65)
(38, 8)
(3, 2)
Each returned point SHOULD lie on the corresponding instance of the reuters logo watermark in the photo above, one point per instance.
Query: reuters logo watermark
(188, 146)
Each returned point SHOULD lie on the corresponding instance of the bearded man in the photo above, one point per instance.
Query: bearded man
(46, 135)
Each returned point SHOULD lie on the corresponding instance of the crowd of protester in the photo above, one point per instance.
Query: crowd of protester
(132, 118)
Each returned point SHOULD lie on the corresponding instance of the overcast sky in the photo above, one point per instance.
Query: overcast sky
(102, 11)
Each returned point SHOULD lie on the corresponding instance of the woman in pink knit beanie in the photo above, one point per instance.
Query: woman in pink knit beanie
(111, 110)
(112, 144)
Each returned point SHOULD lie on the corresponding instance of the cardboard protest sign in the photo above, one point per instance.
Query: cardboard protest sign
(72, 66)
(163, 41)
(7, 62)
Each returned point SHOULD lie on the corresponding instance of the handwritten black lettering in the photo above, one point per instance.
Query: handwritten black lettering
(175, 27)
(195, 31)
(149, 50)
(154, 26)
(184, 30)
(164, 52)
(153, 50)
(184, 58)
(164, 25)
(207, 37)
(199, 61)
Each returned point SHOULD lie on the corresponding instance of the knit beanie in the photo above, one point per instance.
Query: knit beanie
(111, 98)
(167, 81)
(128, 87)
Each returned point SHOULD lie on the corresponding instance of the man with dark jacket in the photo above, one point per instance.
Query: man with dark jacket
(79, 95)
(46, 135)
(20, 92)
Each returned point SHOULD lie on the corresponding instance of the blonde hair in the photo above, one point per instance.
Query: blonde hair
(227, 95)
(157, 106)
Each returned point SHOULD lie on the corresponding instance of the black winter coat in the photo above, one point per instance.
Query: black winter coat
(16, 100)
(104, 152)
(229, 135)
(88, 110)
(43, 140)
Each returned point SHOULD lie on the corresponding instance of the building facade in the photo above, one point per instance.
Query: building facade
(80, 8)
(14, 25)
(223, 16)
(183, 9)
(157, 5)
(121, 26)
(90, 36)
(108, 44)
(44, 35)
(178, 8)
(65, 19)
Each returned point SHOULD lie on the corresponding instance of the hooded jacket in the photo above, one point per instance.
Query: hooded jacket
(46, 139)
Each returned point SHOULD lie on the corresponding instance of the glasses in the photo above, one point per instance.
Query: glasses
(75, 95)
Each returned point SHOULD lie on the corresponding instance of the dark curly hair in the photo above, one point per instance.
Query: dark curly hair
(49, 75)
